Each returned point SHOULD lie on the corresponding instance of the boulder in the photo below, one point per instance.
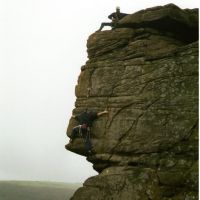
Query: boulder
(145, 72)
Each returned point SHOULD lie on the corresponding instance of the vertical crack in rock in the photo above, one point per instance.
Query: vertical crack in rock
(117, 113)
(134, 124)
(90, 82)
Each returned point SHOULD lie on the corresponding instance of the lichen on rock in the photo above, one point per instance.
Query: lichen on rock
(146, 73)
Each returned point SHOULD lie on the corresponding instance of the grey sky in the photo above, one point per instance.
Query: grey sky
(42, 47)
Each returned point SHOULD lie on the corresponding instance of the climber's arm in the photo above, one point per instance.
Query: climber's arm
(102, 113)
(75, 117)
(111, 16)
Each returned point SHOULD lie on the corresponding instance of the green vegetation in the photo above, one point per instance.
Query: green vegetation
(36, 190)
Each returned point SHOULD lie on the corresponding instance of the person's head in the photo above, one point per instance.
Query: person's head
(117, 9)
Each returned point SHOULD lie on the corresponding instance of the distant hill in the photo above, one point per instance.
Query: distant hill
(36, 190)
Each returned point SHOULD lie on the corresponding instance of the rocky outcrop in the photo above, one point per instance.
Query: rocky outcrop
(145, 72)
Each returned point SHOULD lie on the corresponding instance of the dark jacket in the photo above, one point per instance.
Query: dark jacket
(117, 16)
(86, 118)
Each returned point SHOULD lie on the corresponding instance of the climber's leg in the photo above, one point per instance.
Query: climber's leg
(75, 133)
(105, 24)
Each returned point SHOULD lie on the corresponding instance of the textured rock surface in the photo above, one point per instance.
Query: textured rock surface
(146, 74)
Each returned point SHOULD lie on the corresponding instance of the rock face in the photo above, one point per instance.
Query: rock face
(145, 72)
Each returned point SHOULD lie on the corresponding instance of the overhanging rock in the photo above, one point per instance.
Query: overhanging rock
(146, 73)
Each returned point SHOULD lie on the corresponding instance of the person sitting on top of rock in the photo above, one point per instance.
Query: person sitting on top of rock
(85, 120)
(115, 17)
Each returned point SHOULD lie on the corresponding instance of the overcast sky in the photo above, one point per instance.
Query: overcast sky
(42, 47)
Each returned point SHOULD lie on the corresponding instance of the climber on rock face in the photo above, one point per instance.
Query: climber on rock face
(85, 120)
(115, 17)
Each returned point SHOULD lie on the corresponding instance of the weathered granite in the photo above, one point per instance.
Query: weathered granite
(146, 74)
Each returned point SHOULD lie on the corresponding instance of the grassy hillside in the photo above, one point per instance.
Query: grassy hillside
(35, 190)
